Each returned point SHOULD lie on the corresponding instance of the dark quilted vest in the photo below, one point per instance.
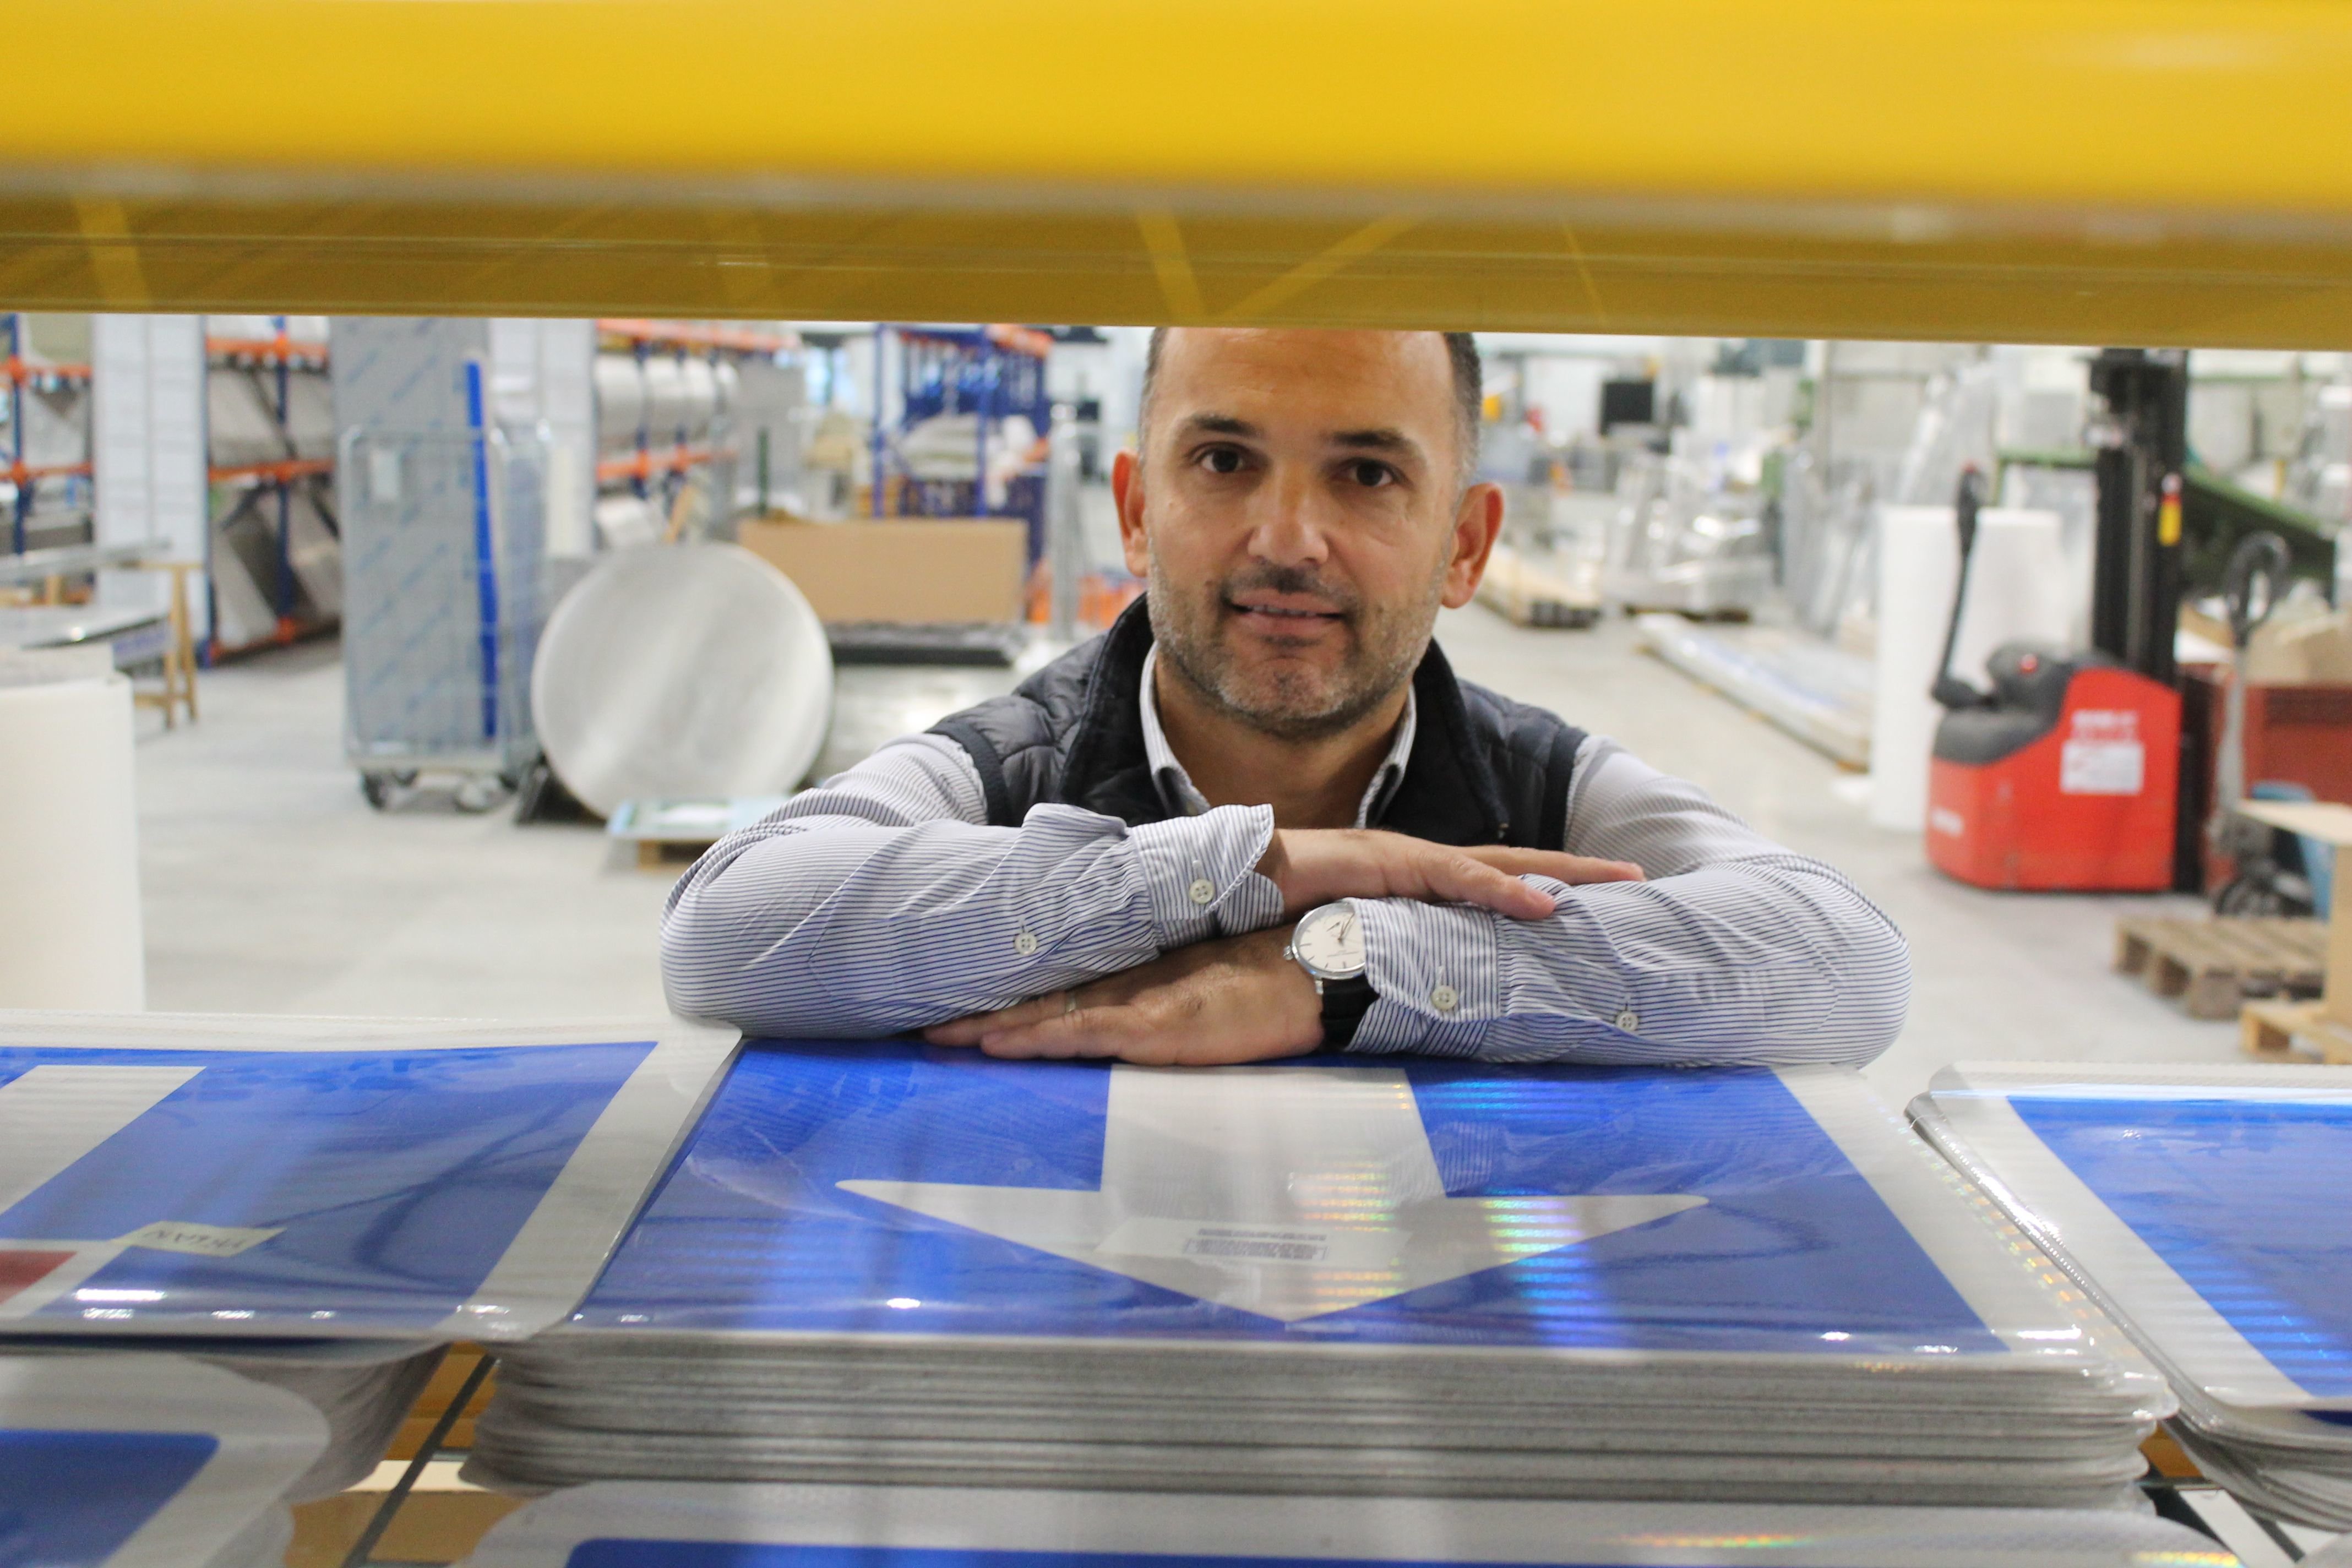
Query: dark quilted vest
(1484, 769)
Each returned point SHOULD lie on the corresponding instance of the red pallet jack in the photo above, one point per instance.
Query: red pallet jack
(2065, 774)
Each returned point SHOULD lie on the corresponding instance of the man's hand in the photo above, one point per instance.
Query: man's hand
(1215, 1002)
(1316, 865)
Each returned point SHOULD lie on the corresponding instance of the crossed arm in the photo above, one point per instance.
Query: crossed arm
(881, 902)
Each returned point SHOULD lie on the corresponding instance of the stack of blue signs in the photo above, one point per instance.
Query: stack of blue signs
(146, 1461)
(885, 1263)
(323, 1205)
(625, 1525)
(2200, 1207)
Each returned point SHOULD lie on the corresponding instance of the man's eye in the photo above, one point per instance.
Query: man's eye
(1222, 460)
(1370, 474)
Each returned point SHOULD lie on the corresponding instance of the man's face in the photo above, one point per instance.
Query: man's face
(1298, 514)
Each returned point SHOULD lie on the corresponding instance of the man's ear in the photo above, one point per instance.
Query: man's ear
(1477, 523)
(1127, 491)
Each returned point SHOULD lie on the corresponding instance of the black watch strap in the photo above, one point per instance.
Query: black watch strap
(1345, 1002)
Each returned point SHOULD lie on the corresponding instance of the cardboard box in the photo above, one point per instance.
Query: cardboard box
(904, 569)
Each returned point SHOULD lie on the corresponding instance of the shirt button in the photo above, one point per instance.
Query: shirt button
(1444, 998)
(1025, 944)
(1202, 890)
(1628, 1020)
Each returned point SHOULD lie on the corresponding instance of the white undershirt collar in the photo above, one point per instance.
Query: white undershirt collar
(1177, 794)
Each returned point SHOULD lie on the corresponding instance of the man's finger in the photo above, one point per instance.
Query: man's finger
(1450, 876)
(968, 1031)
(1573, 869)
(1087, 1032)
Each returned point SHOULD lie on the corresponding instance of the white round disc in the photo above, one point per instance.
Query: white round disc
(692, 671)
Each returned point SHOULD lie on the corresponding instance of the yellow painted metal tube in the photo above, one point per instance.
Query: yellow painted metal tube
(2157, 171)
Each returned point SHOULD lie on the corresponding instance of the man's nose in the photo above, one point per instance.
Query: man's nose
(1294, 522)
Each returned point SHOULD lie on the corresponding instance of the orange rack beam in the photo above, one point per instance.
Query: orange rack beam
(273, 473)
(1020, 339)
(646, 465)
(17, 473)
(293, 350)
(21, 370)
(683, 334)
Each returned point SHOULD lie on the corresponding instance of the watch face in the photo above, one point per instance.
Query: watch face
(1330, 942)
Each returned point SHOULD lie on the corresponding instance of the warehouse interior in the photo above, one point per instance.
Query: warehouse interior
(1546, 787)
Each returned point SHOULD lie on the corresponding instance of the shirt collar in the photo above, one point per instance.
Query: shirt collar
(1177, 794)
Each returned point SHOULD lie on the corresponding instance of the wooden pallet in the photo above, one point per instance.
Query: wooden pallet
(1527, 594)
(2216, 966)
(2268, 1032)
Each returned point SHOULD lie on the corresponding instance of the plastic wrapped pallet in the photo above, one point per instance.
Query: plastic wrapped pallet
(883, 1263)
(2190, 1203)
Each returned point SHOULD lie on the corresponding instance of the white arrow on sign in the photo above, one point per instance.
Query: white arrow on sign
(1286, 1192)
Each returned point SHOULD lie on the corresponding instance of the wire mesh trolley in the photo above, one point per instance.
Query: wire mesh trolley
(445, 535)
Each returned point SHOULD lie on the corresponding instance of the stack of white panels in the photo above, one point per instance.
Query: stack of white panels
(641, 1525)
(323, 1204)
(882, 1263)
(2202, 1208)
(146, 1461)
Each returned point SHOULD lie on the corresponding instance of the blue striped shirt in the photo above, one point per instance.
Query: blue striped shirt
(881, 901)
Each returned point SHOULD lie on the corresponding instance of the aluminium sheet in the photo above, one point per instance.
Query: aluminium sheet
(625, 1525)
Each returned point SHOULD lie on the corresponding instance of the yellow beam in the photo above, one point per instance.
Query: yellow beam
(2157, 171)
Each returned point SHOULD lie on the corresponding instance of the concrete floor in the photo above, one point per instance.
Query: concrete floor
(271, 886)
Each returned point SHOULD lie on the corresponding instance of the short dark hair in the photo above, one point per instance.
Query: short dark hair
(1469, 391)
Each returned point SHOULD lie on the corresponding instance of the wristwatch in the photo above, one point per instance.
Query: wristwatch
(1328, 943)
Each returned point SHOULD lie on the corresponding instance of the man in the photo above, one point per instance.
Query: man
(1261, 816)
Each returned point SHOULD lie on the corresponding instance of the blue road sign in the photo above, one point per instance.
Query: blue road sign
(897, 1188)
(347, 1190)
(2233, 1194)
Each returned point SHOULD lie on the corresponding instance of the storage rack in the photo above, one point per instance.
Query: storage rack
(656, 466)
(25, 478)
(992, 373)
(267, 493)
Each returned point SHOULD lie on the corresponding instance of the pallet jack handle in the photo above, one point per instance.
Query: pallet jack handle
(1949, 690)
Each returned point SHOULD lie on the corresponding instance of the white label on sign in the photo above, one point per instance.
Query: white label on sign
(204, 1240)
(2102, 767)
(1212, 1241)
(1947, 821)
(52, 1116)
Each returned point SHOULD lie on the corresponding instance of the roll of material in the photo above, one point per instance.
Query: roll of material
(686, 671)
(1919, 566)
(71, 934)
(667, 410)
(620, 397)
(2019, 588)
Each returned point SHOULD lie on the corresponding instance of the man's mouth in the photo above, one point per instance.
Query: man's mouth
(1285, 612)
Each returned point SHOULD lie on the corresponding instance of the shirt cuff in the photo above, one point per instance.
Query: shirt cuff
(1433, 969)
(1194, 866)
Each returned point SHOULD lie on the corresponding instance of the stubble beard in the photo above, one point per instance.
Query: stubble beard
(1289, 701)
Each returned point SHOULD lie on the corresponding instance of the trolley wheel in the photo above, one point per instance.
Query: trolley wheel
(405, 778)
(378, 788)
(475, 796)
(2254, 893)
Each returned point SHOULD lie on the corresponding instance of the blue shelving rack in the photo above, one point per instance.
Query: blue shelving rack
(993, 372)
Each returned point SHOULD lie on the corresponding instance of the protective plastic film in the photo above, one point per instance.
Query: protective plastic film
(327, 1177)
(895, 1190)
(687, 1526)
(125, 1461)
(2186, 1198)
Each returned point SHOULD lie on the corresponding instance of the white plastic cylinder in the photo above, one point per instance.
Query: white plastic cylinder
(70, 932)
(2019, 587)
(620, 397)
(1919, 566)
